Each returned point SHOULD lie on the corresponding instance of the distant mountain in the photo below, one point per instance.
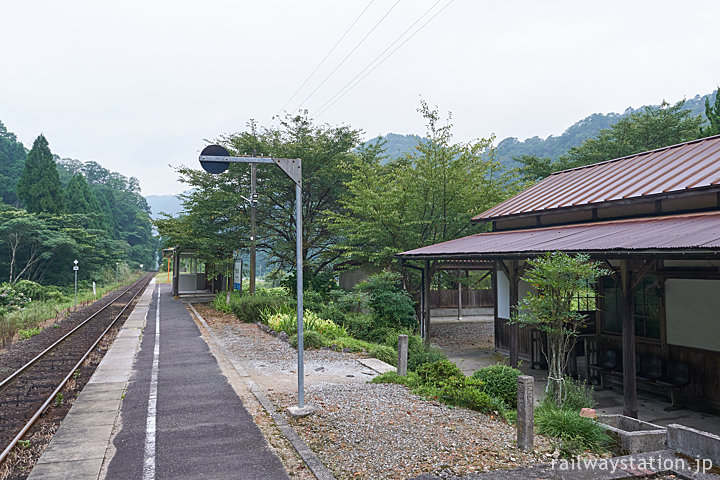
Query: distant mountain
(556, 146)
(396, 144)
(169, 204)
(552, 146)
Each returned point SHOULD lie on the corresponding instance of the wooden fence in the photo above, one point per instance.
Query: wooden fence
(470, 299)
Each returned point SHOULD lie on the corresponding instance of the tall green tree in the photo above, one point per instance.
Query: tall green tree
(28, 244)
(558, 279)
(80, 199)
(712, 112)
(218, 216)
(533, 168)
(651, 128)
(12, 161)
(422, 198)
(39, 186)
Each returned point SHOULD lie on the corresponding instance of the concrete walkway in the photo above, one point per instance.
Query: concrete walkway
(199, 429)
(175, 415)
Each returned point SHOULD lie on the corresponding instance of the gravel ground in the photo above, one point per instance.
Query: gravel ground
(373, 431)
(381, 431)
(463, 335)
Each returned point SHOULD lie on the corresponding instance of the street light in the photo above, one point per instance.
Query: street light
(75, 269)
(216, 159)
(117, 272)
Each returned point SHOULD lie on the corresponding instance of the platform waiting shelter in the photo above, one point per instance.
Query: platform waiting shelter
(188, 272)
(653, 219)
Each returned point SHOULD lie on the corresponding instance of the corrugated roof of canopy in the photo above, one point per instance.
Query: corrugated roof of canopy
(687, 166)
(690, 233)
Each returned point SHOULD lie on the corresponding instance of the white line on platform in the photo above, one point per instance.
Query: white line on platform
(149, 463)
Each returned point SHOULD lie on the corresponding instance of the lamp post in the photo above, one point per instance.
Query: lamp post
(75, 269)
(117, 272)
(216, 159)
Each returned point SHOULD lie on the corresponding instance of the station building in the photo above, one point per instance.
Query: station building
(653, 219)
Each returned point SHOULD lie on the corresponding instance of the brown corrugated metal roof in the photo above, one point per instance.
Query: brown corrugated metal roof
(697, 231)
(683, 167)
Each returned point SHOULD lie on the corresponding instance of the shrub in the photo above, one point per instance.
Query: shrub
(576, 432)
(384, 353)
(275, 292)
(353, 344)
(500, 381)
(390, 305)
(437, 372)
(410, 380)
(463, 392)
(415, 360)
(248, 308)
(35, 291)
(332, 312)
(577, 394)
(220, 301)
(353, 302)
(11, 299)
(287, 322)
(382, 334)
(359, 325)
(313, 300)
(311, 340)
(28, 333)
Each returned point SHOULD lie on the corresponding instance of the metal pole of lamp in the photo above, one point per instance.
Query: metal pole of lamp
(216, 159)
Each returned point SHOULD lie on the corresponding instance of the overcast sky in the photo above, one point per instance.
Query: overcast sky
(137, 85)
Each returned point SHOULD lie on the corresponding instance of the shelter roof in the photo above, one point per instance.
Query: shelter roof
(684, 167)
(696, 232)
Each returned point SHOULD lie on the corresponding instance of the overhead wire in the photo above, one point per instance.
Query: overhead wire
(326, 108)
(348, 55)
(379, 55)
(324, 58)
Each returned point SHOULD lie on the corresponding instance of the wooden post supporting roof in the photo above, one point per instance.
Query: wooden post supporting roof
(426, 302)
(628, 343)
(514, 280)
(459, 284)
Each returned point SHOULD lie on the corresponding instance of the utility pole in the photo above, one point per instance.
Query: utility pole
(253, 208)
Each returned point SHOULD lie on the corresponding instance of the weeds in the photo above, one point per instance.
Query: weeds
(29, 333)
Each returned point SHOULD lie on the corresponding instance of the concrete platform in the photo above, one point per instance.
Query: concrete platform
(158, 407)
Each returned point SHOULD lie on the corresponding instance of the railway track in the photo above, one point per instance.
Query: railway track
(30, 390)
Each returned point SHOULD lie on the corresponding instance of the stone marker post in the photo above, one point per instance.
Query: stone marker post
(525, 413)
(402, 355)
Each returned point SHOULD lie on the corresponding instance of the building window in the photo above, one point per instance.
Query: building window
(647, 307)
(646, 298)
(612, 305)
(584, 299)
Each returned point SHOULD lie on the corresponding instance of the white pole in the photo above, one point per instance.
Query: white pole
(301, 345)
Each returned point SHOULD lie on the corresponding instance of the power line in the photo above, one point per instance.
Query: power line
(348, 55)
(324, 58)
(378, 56)
(317, 115)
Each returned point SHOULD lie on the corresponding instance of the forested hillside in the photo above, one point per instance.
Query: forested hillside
(55, 210)
(553, 146)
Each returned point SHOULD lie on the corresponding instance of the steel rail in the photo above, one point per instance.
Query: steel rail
(57, 390)
(40, 355)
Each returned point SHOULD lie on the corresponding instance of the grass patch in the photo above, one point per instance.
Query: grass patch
(410, 380)
(37, 312)
(575, 434)
(29, 332)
